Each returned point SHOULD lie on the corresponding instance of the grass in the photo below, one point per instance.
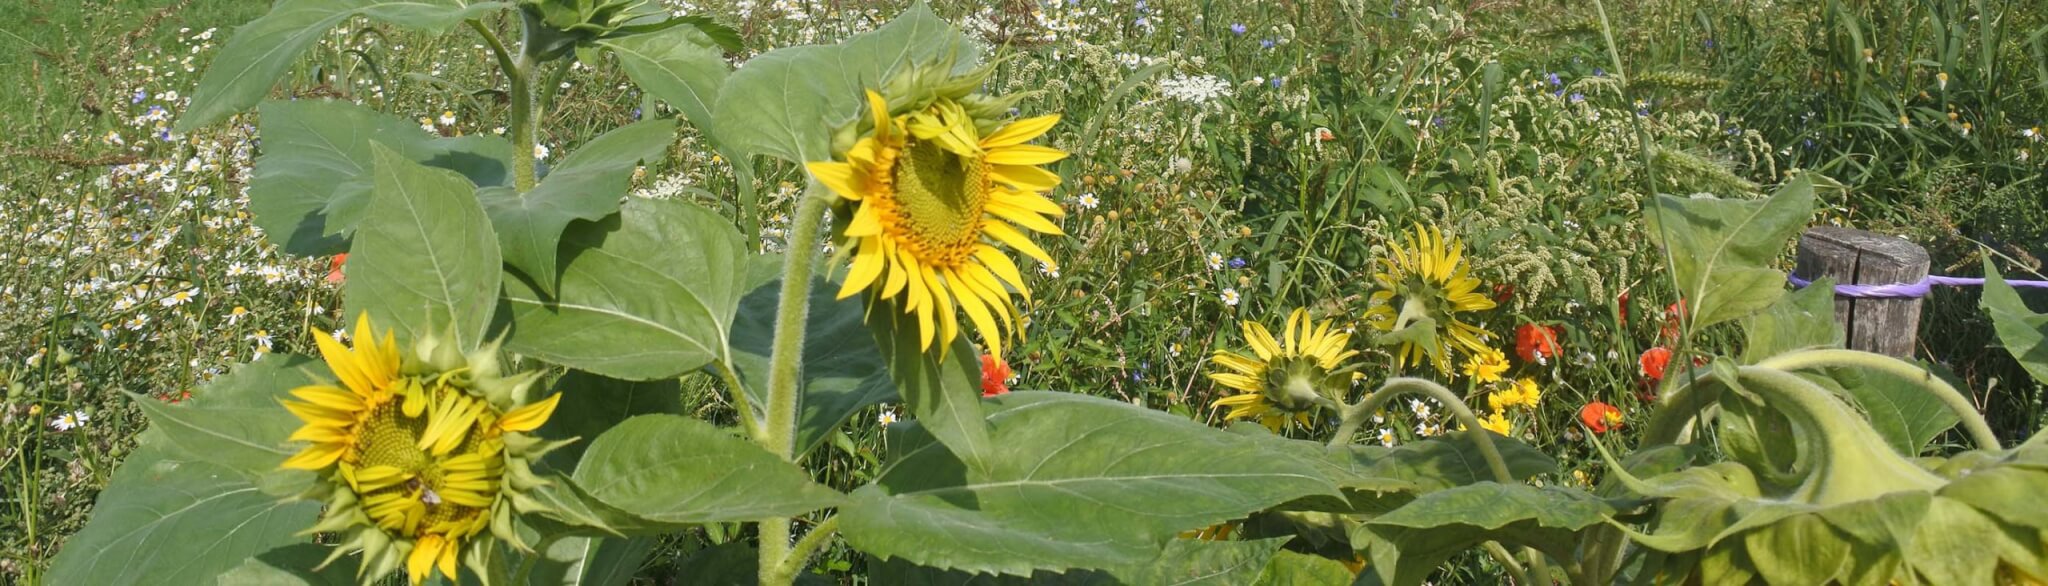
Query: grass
(1221, 176)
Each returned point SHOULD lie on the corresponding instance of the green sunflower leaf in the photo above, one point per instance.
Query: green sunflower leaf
(1723, 250)
(786, 103)
(2023, 332)
(1289, 568)
(311, 186)
(675, 469)
(1072, 482)
(236, 421)
(587, 185)
(943, 393)
(264, 49)
(1408, 544)
(291, 565)
(591, 561)
(170, 520)
(646, 294)
(425, 260)
(592, 404)
(843, 369)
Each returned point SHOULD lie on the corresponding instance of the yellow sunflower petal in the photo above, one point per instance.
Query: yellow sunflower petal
(314, 457)
(1005, 234)
(1029, 200)
(865, 268)
(841, 178)
(1020, 131)
(530, 417)
(1024, 177)
(1023, 217)
(1024, 154)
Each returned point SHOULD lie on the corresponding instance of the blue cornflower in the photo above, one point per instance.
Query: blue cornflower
(140, 95)
(1578, 97)
(1277, 81)
(1598, 72)
(1267, 43)
(1237, 29)
(1237, 262)
(1552, 78)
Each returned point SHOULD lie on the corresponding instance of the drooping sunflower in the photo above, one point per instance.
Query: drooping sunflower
(419, 453)
(934, 187)
(1284, 379)
(1431, 279)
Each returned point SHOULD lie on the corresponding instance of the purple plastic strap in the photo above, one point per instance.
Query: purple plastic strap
(1910, 290)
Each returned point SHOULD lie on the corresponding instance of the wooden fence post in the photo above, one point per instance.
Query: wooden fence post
(1884, 326)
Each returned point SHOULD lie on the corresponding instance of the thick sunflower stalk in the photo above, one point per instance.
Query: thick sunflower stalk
(418, 452)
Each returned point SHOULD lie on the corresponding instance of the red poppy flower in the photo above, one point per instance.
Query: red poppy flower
(994, 372)
(1673, 320)
(1537, 343)
(1503, 292)
(334, 268)
(1654, 361)
(1622, 302)
(1600, 417)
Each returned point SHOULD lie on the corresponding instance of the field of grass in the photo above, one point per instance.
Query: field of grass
(1234, 161)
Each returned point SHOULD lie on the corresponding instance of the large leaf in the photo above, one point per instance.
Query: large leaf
(787, 102)
(591, 561)
(1072, 482)
(169, 521)
(264, 49)
(1288, 568)
(1722, 250)
(1409, 543)
(843, 369)
(236, 421)
(291, 565)
(675, 469)
(425, 260)
(1902, 411)
(2023, 332)
(679, 65)
(1183, 563)
(587, 185)
(1803, 319)
(647, 294)
(592, 404)
(943, 392)
(312, 183)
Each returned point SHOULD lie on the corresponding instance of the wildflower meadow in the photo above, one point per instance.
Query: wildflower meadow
(1023, 292)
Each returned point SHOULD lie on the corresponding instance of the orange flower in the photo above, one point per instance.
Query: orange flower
(994, 372)
(1600, 417)
(334, 268)
(1673, 321)
(1654, 361)
(1536, 343)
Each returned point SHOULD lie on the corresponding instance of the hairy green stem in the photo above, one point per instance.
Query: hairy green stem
(785, 365)
(518, 70)
(1516, 573)
(1355, 416)
(1973, 422)
(1398, 386)
(808, 546)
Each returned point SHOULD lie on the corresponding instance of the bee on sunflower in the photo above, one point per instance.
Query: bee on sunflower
(1285, 379)
(418, 453)
(936, 177)
(1434, 286)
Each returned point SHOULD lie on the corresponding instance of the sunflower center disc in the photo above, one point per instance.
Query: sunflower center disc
(390, 438)
(940, 198)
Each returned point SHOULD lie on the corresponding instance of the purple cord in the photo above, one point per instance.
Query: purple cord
(1910, 290)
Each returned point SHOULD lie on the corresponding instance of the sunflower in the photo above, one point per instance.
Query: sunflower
(416, 452)
(1431, 279)
(1285, 378)
(933, 191)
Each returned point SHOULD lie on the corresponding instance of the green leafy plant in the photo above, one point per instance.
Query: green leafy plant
(505, 409)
